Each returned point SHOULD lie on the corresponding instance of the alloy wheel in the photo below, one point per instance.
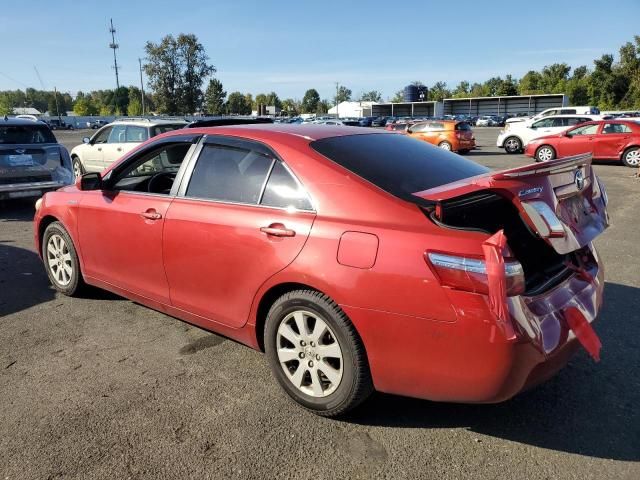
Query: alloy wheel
(445, 146)
(309, 353)
(632, 158)
(512, 145)
(59, 260)
(77, 168)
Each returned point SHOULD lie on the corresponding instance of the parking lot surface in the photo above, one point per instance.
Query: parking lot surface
(101, 387)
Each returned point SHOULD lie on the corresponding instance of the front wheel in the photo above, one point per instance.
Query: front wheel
(545, 153)
(445, 146)
(61, 260)
(631, 157)
(316, 354)
(512, 145)
(78, 170)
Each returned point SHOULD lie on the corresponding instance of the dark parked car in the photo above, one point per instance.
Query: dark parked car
(380, 121)
(366, 121)
(57, 124)
(96, 124)
(31, 159)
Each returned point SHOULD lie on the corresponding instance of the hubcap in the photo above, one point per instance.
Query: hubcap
(545, 154)
(512, 145)
(59, 260)
(633, 158)
(445, 146)
(77, 171)
(309, 353)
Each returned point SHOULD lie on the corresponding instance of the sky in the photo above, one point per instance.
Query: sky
(290, 46)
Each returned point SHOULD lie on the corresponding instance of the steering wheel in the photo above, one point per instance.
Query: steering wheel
(161, 182)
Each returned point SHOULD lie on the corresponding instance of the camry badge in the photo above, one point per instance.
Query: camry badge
(579, 179)
(20, 151)
(529, 191)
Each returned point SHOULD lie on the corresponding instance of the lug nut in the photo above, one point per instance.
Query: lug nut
(313, 344)
(318, 357)
(303, 343)
(310, 363)
(301, 354)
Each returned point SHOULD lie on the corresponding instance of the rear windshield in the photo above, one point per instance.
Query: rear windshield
(399, 165)
(157, 130)
(25, 134)
(463, 126)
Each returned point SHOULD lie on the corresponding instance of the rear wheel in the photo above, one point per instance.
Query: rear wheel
(316, 354)
(631, 157)
(445, 145)
(512, 145)
(545, 153)
(61, 260)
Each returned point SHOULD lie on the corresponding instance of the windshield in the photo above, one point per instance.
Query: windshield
(399, 165)
(26, 134)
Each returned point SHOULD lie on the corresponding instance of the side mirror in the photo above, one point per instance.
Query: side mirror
(86, 140)
(568, 134)
(91, 181)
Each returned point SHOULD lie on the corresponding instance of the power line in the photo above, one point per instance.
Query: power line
(113, 45)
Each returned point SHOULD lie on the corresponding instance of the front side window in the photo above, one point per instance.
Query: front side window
(615, 128)
(153, 171)
(585, 130)
(136, 134)
(118, 134)
(103, 135)
(229, 174)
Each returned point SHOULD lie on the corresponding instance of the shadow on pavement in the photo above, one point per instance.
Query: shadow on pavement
(589, 408)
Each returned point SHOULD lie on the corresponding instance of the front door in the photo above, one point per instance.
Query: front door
(241, 218)
(120, 227)
(578, 140)
(92, 156)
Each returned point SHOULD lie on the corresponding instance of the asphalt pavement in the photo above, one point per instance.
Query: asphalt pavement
(101, 387)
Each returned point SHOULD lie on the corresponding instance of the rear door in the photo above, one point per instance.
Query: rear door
(611, 140)
(240, 217)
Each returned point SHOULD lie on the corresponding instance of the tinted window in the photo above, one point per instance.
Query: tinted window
(158, 129)
(585, 130)
(118, 134)
(575, 121)
(546, 123)
(560, 122)
(229, 174)
(568, 111)
(283, 191)
(616, 128)
(136, 134)
(398, 164)
(463, 126)
(25, 134)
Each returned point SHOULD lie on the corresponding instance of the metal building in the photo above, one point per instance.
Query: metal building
(407, 109)
(510, 105)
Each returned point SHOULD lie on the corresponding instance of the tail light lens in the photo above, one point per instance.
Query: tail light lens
(470, 274)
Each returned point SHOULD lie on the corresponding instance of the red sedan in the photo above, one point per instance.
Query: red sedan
(617, 140)
(357, 260)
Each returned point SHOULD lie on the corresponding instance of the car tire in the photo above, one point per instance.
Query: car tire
(512, 145)
(61, 260)
(631, 157)
(545, 153)
(464, 151)
(325, 371)
(445, 146)
(78, 169)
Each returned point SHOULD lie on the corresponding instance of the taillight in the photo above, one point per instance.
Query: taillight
(470, 274)
(545, 220)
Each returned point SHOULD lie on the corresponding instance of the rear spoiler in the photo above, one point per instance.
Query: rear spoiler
(555, 166)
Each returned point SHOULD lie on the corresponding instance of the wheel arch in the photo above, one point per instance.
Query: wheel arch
(626, 149)
(42, 226)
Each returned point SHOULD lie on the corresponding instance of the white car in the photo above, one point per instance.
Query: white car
(515, 136)
(557, 111)
(114, 140)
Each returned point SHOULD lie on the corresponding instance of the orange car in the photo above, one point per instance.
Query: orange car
(447, 134)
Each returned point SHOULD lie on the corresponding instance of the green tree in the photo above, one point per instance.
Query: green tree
(530, 84)
(343, 94)
(553, 78)
(398, 97)
(84, 106)
(462, 90)
(371, 96)
(273, 100)
(237, 104)
(5, 105)
(106, 110)
(629, 68)
(310, 101)
(290, 106)
(135, 107)
(508, 87)
(176, 69)
(214, 97)
(439, 92)
(323, 107)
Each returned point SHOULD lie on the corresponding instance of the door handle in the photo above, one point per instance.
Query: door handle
(99, 149)
(119, 149)
(278, 230)
(151, 215)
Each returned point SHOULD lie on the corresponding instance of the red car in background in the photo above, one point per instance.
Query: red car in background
(357, 260)
(617, 140)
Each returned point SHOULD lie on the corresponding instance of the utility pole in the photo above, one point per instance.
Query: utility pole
(141, 84)
(113, 45)
(337, 113)
(55, 95)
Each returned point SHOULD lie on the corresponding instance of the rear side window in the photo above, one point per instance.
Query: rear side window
(397, 164)
(575, 121)
(568, 111)
(283, 190)
(25, 134)
(229, 174)
(616, 128)
(136, 134)
(157, 130)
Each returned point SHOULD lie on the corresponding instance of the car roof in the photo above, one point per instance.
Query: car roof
(12, 121)
(148, 122)
(571, 115)
(281, 131)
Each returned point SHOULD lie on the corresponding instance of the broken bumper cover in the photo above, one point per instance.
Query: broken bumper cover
(471, 360)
